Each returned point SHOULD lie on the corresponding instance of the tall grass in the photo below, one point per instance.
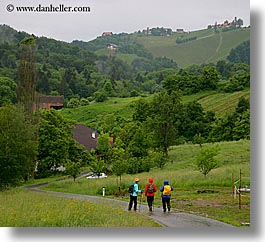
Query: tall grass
(22, 208)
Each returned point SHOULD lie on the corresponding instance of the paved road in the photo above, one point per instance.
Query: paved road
(171, 220)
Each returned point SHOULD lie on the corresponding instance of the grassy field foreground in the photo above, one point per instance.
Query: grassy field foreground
(209, 196)
(22, 208)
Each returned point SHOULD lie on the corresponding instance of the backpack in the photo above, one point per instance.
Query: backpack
(150, 188)
(131, 188)
(167, 190)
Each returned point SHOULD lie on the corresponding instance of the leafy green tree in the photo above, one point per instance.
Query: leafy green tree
(56, 143)
(196, 123)
(243, 105)
(119, 164)
(206, 161)
(209, 78)
(108, 89)
(141, 110)
(103, 143)
(100, 96)
(240, 54)
(18, 146)
(139, 144)
(98, 166)
(7, 91)
(73, 103)
(163, 121)
(73, 168)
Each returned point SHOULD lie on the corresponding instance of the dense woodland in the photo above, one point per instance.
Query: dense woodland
(82, 76)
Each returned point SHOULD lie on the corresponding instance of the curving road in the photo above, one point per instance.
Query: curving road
(170, 220)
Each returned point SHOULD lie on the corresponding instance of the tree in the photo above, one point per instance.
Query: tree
(206, 161)
(27, 75)
(18, 146)
(7, 91)
(163, 121)
(56, 143)
(139, 144)
(209, 78)
(100, 96)
(103, 144)
(98, 166)
(240, 54)
(108, 89)
(73, 168)
(240, 22)
(119, 165)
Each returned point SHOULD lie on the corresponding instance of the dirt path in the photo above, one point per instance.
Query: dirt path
(217, 48)
(171, 220)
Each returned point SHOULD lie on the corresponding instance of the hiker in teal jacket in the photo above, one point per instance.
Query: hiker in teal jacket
(134, 194)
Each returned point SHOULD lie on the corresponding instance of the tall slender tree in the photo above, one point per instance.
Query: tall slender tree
(27, 75)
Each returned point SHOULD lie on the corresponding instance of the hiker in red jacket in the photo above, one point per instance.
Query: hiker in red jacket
(149, 191)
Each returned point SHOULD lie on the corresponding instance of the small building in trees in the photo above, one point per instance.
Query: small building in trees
(112, 46)
(87, 137)
(48, 102)
(107, 33)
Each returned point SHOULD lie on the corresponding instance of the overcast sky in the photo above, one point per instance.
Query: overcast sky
(120, 16)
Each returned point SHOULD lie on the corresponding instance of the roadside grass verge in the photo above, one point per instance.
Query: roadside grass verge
(22, 208)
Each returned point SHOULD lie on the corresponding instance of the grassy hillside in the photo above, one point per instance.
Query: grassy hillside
(221, 103)
(186, 180)
(208, 47)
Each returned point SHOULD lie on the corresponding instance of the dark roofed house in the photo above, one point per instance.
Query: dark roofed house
(49, 102)
(87, 136)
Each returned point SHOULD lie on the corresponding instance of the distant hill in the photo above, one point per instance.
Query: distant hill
(10, 35)
(131, 64)
(208, 46)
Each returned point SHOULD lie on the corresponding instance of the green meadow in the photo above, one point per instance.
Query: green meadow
(207, 48)
(209, 196)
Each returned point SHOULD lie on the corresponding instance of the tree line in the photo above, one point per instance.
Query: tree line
(74, 71)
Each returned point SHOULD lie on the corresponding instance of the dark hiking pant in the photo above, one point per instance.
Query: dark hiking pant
(150, 200)
(166, 203)
(133, 201)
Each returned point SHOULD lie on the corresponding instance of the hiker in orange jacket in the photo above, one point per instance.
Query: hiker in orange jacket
(149, 191)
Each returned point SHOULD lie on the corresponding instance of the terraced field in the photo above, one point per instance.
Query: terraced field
(222, 103)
